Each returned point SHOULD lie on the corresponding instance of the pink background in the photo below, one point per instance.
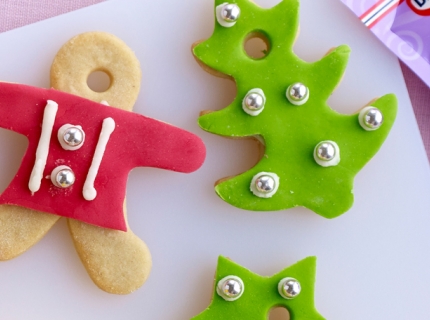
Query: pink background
(17, 13)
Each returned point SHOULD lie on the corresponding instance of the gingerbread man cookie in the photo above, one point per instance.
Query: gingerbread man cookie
(242, 294)
(312, 153)
(79, 156)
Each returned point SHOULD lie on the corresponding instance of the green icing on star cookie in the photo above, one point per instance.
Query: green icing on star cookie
(258, 295)
(290, 132)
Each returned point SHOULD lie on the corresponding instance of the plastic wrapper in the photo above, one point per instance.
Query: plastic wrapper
(403, 26)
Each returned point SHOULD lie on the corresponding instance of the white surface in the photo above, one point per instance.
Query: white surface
(373, 261)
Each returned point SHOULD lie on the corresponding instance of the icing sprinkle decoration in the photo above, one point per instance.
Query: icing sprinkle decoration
(91, 184)
(311, 151)
(242, 294)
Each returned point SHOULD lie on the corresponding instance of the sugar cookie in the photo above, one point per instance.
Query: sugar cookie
(78, 159)
(312, 153)
(242, 294)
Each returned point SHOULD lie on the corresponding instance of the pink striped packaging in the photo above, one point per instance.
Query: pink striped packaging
(403, 26)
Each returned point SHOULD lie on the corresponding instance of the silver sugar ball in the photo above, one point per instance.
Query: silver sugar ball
(265, 184)
(65, 178)
(73, 136)
(297, 92)
(230, 12)
(325, 151)
(231, 288)
(373, 118)
(289, 288)
(254, 101)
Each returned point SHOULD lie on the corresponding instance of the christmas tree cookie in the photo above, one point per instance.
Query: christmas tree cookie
(312, 152)
(242, 294)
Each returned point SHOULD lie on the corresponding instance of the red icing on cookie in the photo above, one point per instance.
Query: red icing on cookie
(136, 141)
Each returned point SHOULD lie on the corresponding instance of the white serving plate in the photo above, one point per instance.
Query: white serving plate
(373, 261)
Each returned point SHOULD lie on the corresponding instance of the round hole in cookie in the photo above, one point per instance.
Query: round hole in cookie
(278, 313)
(99, 81)
(257, 45)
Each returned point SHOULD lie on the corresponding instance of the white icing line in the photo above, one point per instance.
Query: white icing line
(43, 146)
(89, 192)
(104, 102)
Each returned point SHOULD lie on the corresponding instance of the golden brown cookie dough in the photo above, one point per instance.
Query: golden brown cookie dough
(21, 228)
(118, 262)
(98, 51)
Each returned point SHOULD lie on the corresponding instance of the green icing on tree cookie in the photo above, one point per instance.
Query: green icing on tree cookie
(261, 294)
(290, 132)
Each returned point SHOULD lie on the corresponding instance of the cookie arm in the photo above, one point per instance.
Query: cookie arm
(328, 71)
(303, 306)
(161, 145)
(20, 107)
(231, 121)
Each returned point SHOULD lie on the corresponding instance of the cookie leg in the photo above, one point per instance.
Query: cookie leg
(21, 228)
(118, 262)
